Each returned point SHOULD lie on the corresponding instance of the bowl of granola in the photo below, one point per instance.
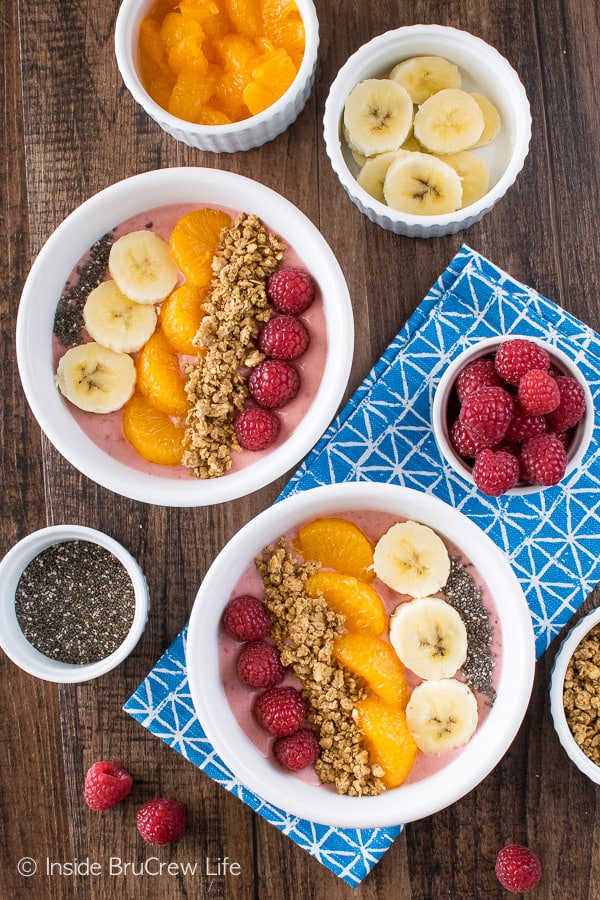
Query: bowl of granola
(177, 350)
(336, 631)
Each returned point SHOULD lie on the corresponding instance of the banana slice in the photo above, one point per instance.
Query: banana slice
(378, 116)
(142, 266)
(449, 121)
(412, 559)
(442, 715)
(423, 76)
(423, 185)
(491, 120)
(95, 378)
(429, 637)
(473, 173)
(373, 172)
(117, 322)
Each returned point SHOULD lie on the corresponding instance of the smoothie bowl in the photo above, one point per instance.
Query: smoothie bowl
(345, 655)
(174, 337)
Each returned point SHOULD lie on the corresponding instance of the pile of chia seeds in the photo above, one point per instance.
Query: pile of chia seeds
(68, 319)
(75, 602)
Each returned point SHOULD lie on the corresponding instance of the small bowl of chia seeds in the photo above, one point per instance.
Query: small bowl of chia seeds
(73, 605)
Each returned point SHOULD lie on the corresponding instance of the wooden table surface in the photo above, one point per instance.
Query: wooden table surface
(70, 128)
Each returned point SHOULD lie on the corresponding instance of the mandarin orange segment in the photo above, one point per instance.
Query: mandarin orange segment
(152, 48)
(284, 27)
(245, 16)
(337, 544)
(159, 377)
(374, 660)
(270, 80)
(190, 95)
(180, 317)
(200, 10)
(152, 433)
(194, 241)
(358, 601)
(183, 38)
(388, 739)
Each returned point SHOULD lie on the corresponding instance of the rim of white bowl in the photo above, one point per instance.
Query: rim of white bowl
(579, 444)
(129, 16)
(406, 803)
(363, 63)
(557, 709)
(13, 641)
(104, 211)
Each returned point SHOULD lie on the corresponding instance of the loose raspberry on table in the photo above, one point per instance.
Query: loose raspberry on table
(518, 869)
(543, 460)
(516, 356)
(571, 408)
(256, 428)
(298, 750)
(106, 784)
(273, 383)
(463, 441)
(290, 290)
(246, 619)
(477, 374)
(495, 472)
(523, 425)
(161, 821)
(284, 337)
(538, 392)
(259, 665)
(280, 710)
(487, 413)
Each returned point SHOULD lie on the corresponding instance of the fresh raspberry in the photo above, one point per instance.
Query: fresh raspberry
(517, 356)
(246, 619)
(486, 413)
(480, 373)
(273, 383)
(280, 710)
(298, 750)
(284, 337)
(523, 425)
(106, 784)
(571, 408)
(256, 428)
(161, 821)
(518, 869)
(495, 472)
(543, 460)
(290, 290)
(259, 665)
(538, 392)
(465, 443)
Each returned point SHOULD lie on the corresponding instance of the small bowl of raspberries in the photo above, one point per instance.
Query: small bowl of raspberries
(513, 415)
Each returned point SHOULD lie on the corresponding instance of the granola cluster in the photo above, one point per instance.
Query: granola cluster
(581, 695)
(304, 630)
(236, 309)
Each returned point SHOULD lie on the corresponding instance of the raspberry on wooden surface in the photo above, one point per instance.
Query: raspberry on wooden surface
(106, 784)
(518, 869)
(161, 821)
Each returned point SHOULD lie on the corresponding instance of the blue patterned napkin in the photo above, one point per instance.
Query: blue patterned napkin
(551, 538)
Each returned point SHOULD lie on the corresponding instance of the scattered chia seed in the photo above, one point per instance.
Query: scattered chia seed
(465, 596)
(75, 602)
(68, 319)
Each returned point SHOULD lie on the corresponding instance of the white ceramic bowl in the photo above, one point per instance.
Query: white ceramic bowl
(483, 69)
(78, 232)
(444, 394)
(408, 802)
(561, 662)
(13, 641)
(252, 132)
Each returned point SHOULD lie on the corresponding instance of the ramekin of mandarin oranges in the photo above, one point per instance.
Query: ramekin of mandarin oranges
(219, 75)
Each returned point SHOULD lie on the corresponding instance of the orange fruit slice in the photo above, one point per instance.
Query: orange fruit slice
(388, 739)
(191, 93)
(271, 78)
(356, 600)
(182, 38)
(180, 317)
(152, 433)
(194, 241)
(159, 377)
(337, 544)
(373, 660)
(283, 26)
(245, 16)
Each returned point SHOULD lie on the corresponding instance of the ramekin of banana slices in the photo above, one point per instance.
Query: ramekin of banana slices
(426, 128)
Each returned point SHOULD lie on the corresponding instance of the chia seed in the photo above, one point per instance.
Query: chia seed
(75, 602)
(68, 319)
(463, 593)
